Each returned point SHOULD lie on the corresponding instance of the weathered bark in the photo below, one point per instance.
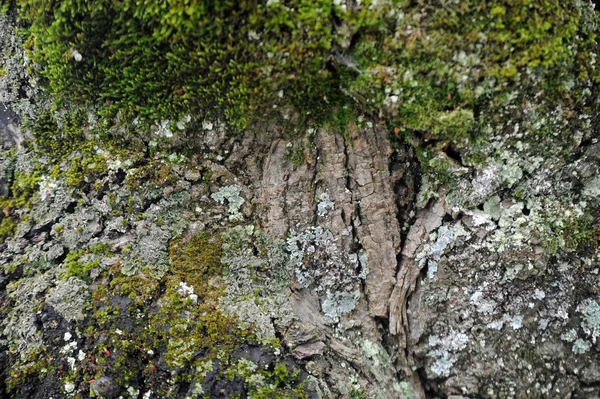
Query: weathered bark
(368, 271)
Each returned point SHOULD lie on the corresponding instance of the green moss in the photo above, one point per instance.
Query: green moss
(31, 372)
(75, 268)
(54, 141)
(571, 233)
(220, 58)
(7, 228)
(73, 260)
(358, 393)
(24, 186)
(7, 224)
(154, 174)
(197, 259)
(280, 383)
(296, 155)
(188, 335)
(179, 327)
(429, 68)
(85, 168)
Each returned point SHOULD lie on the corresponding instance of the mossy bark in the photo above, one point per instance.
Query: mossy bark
(431, 232)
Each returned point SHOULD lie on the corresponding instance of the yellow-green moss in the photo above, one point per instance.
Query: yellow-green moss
(74, 267)
(7, 225)
(428, 68)
(24, 186)
(54, 141)
(571, 233)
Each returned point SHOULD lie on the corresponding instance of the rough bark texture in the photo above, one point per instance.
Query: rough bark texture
(330, 264)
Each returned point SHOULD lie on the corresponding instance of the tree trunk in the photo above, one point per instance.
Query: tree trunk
(329, 264)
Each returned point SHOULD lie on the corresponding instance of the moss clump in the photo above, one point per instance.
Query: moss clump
(7, 228)
(278, 382)
(54, 141)
(197, 260)
(7, 224)
(24, 186)
(296, 155)
(76, 266)
(157, 61)
(572, 233)
(153, 174)
(431, 68)
(167, 332)
(187, 332)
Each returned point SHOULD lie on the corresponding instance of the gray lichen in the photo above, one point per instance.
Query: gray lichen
(255, 283)
(432, 252)
(69, 298)
(580, 346)
(319, 264)
(339, 303)
(444, 350)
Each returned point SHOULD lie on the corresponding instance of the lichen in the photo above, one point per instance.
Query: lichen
(580, 346)
(255, 282)
(324, 205)
(231, 195)
(444, 351)
(22, 336)
(432, 252)
(339, 303)
(590, 324)
(318, 263)
(69, 298)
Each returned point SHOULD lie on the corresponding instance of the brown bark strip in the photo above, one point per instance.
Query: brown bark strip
(428, 219)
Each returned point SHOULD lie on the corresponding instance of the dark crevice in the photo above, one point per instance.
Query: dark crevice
(39, 230)
(120, 176)
(453, 154)
(60, 259)
(430, 386)
(313, 184)
(404, 168)
(149, 203)
(71, 207)
(184, 387)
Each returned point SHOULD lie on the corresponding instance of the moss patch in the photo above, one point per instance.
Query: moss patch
(431, 67)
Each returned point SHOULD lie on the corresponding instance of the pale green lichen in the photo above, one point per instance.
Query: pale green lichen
(590, 324)
(152, 233)
(404, 389)
(482, 304)
(592, 188)
(231, 195)
(569, 336)
(69, 298)
(443, 238)
(339, 303)
(377, 353)
(319, 264)
(580, 346)
(324, 205)
(19, 326)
